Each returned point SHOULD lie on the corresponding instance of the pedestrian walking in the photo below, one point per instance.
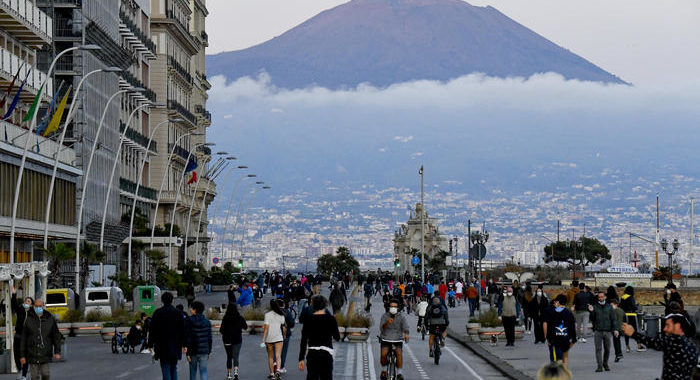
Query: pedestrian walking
(680, 355)
(273, 336)
(527, 318)
(509, 312)
(289, 324)
(471, 299)
(368, 295)
(611, 294)
(40, 341)
(459, 289)
(560, 330)
(604, 323)
(538, 309)
(198, 341)
(492, 292)
(167, 336)
(580, 308)
(21, 311)
(337, 298)
(317, 342)
(231, 331)
(629, 306)
(620, 316)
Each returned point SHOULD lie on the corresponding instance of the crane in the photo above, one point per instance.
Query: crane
(632, 234)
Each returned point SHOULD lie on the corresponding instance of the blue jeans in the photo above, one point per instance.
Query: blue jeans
(201, 362)
(472, 306)
(285, 346)
(169, 369)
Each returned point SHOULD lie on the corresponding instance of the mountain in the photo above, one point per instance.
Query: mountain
(383, 42)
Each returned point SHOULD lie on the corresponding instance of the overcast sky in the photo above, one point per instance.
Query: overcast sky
(642, 41)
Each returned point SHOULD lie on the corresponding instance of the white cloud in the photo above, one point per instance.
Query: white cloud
(403, 139)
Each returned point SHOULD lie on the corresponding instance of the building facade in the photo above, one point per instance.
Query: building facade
(407, 238)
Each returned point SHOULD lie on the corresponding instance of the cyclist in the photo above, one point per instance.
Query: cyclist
(436, 321)
(421, 309)
(393, 330)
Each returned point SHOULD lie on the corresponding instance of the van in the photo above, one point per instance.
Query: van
(146, 299)
(104, 300)
(59, 302)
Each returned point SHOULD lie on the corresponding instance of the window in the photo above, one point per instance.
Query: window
(98, 296)
(55, 299)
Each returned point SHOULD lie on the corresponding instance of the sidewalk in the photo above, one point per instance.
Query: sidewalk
(528, 357)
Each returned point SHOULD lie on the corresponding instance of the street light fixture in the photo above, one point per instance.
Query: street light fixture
(674, 249)
(189, 215)
(479, 239)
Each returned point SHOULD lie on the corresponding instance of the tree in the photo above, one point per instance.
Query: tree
(341, 262)
(155, 262)
(56, 253)
(89, 254)
(437, 262)
(591, 252)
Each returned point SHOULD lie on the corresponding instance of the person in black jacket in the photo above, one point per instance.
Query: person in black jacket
(316, 341)
(198, 341)
(231, 330)
(21, 312)
(537, 309)
(167, 336)
(560, 330)
(629, 306)
(40, 341)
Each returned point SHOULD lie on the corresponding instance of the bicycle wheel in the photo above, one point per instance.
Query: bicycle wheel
(391, 371)
(436, 355)
(115, 348)
(125, 346)
(422, 333)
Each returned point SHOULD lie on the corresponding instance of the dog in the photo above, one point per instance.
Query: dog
(494, 340)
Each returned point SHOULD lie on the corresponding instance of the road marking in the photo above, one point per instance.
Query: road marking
(142, 367)
(470, 369)
(348, 360)
(370, 359)
(125, 374)
(359, 362)
(415, 361)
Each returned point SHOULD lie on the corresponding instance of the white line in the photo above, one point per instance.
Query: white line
(142, 367)
(470, 369)
(370, 356)
(415, 361)
(125, 374)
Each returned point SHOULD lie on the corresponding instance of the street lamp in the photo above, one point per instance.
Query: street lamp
(86, 175)
(245, 214)
(60, 144)
(32, 125)
(674, 249)
(228, 212)
(189, 214)
(114, 166)
(138, 184)
(479, 240)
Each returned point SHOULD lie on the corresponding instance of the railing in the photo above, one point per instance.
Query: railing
(173, 105)
(48, 3)
(135, 82)
(10, 63)
(64, 28)
(65, 63)
(137, 32)
(202, 111)
(26, 11)
(205, 149)
(172, 62)
(171, 15)
(137, 137)
(180, 151)
(130, 187)
(205, 36)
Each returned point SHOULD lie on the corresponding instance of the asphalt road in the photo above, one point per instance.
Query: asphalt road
(89, 358)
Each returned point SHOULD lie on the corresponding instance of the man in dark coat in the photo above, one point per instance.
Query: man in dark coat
(198, 341)
(167, 336)
(40, 341)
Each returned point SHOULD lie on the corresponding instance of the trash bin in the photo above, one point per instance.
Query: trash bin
(652, 325)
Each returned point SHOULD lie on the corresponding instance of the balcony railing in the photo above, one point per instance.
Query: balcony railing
(135, 82)
(10, 63)
(172, 62)
(189, 116)
(137, 137)
(31, 17)
(202, 111)
(171, 15)
(130, 187)
(205, 36)
(64, 28)
(180, 151)
(137, 32)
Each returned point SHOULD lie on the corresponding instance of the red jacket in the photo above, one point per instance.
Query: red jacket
(443, 290)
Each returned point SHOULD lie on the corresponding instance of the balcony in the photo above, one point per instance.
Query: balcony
(60, 3)
(137, 138)
(134, 34)
(180, 151)
(26, 22)
(47, 148)
(203, 112)
(144, 191)
(129, 80)
(184, 73)
(205, 38)
(184, 25)
(65, 31)
(182, 110)
(10, 63)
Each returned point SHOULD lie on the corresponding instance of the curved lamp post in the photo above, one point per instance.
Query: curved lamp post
(216, 200)
(60, 144)
(228, 212)
(86, 175)
(245, 217)
(177, 192)
(189, 214)
(244, 201)
(138, 184)
(114, 167)
(23, 163)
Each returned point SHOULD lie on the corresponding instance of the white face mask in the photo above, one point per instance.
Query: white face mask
(393, 310)
(539, 293)
(510, 293)
(668, 291)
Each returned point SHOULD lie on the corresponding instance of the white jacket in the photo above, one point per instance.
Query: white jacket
(421, 308)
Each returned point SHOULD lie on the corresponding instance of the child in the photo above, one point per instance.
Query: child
(451, 296)
(136, 336)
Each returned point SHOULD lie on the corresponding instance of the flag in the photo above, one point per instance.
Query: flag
(16, 99)
(45, 122)
(10, 87)
(193, 178)
(53, 125)
(29, 115)
(191, 166)
(421, 170)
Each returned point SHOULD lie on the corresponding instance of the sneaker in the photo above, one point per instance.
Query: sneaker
(605, 367)
(282, 370)
(582, 340)
(430, 354)
(229, 376)
(599, 369)
(271, 376)
(628, 349)
(641, 349)
(383, 375)
(235, 377)
(617, 358)
(399, 377)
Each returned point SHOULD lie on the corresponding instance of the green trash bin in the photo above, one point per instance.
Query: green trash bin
(146, 299)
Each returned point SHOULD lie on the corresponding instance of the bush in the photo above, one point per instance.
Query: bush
(95, 316)
(489, 319)
(342, 320)
(72, 316)
(213, 314)
(360, 319)
(122, 317)
(254, 314)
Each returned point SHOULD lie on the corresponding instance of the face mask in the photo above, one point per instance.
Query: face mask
(39, 310)
(539, 293)
(668, 291)
(505, 293)
(138, 327)
(601, 302)
(614, 307)
(26, 306)
(510, 293)
(393, 310)
(559, 309)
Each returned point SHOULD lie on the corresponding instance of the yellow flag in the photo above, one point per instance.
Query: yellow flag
(53, 125)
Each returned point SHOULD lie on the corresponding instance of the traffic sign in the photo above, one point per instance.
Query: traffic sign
(415, 260)
(215, 260)
(477, 252)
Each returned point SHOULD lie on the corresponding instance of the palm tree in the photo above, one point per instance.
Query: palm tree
(56, 254)
(89, 255)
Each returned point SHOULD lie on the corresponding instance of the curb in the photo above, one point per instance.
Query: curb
(501, 365)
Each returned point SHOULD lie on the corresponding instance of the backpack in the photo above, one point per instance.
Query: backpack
(397, 292)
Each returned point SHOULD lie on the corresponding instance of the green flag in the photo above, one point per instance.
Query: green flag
(32, 109)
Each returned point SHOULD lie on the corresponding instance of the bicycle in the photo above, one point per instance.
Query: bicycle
(119, 340)
(390, 359)
(422, 331)
(437, 342)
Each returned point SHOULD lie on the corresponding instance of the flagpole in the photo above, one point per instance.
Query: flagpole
(114, 169)
(58, 150)
(138, 184)
(32, 124)
(162, 182)
(189, 215)
(177, 193)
